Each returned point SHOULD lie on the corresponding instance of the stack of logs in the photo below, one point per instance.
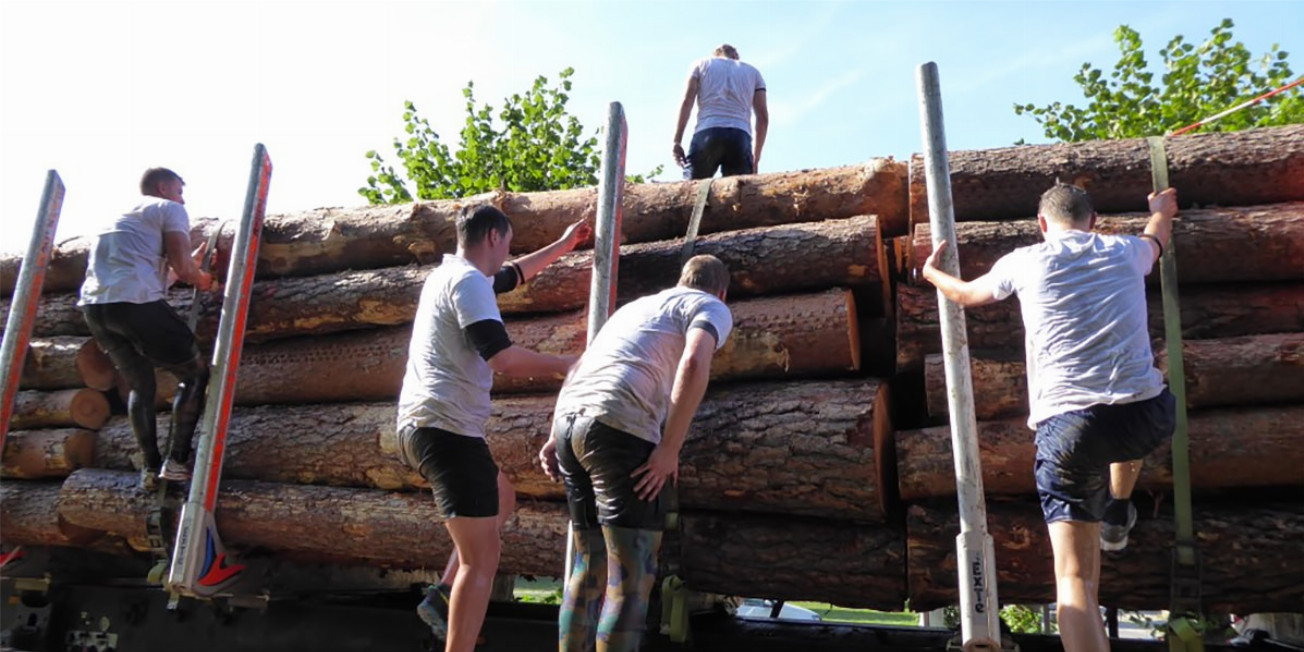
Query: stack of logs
(793, 481)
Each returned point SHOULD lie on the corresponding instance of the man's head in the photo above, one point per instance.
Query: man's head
(1067, 207)
(706, 273)
(485, 228)
(727, 51)
(162, 183)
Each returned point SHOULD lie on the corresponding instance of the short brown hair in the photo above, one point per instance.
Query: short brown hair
(1067, 205)
(477, 220)
(706, 273)
(154, 176)
(727, 50)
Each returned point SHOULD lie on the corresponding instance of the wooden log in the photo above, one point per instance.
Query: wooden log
(1208, 312)
(769, 260)
(334, 239)
(1243, 168)
(799, 448)
(66, 363)
(1250, 556)
(52, 453)
(792, 336)
(84, 408)
(1230, 448)
(1249, 370)
(1255, 243)
(29, 516)
(808, 558)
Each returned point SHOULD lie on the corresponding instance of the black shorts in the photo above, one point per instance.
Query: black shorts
(152, 330)
(719, 148)
(460, 470)
(596, 463)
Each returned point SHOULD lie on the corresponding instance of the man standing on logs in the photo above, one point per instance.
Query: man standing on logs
(458, 343)
(124, 301)
(727, 91)
(620, 423)
(1097, 401)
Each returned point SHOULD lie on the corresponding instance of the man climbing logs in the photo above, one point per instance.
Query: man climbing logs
(123, 301)
(1097, 401)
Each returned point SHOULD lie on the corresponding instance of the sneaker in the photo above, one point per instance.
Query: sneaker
(433, 610)
(1113, 538)
(148, 480)
(174, 471)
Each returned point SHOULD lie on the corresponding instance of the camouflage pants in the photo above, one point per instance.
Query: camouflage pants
(608, 618)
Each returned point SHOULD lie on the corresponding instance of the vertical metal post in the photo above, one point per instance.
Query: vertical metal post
(606, 248)
(27, 294)
(976, 559)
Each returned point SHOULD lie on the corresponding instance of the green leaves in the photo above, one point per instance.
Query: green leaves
(530, 144)
(1197, 82)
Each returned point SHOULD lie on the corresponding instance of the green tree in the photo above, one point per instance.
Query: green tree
(534, 145)
(1198, 81)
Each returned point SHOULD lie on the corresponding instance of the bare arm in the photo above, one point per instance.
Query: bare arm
(691, 378)
(1163, 208)
(521, 362)
(685, 109)
(533, 263)
(965, 293)
(762, 111)
(182, 260)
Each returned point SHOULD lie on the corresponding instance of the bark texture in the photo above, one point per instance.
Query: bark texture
(858, 566)
(1249, 370)
(1256, 243)
(1230, 447)
(85, 408)
(52, 453)
(1243, 168)
(1208, 312)
(66, 363)
(29, 516)
(334, 239)
(1251, 561)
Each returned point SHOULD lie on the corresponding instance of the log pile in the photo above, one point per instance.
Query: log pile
(803, 476)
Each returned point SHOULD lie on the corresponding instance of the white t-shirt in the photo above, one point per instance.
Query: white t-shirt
(447, 383)
(625, 377)
(724, 93)
(1083, 299)
(128, 263)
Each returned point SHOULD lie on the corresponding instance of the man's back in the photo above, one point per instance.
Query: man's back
(724, 97)
(128, 263)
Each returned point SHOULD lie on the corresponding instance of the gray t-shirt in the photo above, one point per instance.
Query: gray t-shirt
(625, 377)
(128, 263)
(447, 383)
(724, 93)
(1083, 299)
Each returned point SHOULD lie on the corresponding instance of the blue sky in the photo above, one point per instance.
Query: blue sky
(102, 90)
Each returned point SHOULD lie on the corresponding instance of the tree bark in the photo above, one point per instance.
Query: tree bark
(1250, 556)
(1243, 168)
(1250, 370)
(1208, 312)
(770, 260)
(1230, 448)
(797, 448)
(66, 363)
(86, 408)
(774, 337)
(1256, 243)
(29, 516)
(806, 558)
(52, 453)
(334, 239)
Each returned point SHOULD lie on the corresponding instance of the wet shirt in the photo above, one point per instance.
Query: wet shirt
(624, 378)
(447, 383)
(1084, 313)
(128, 262)
(725, 91)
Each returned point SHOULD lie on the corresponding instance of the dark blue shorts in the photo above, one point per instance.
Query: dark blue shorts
(1075, 449)
(723, 148)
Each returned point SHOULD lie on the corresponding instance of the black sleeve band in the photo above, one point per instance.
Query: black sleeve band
(708, 327)
(1155, 240)
(508, 278)
(489, 337)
